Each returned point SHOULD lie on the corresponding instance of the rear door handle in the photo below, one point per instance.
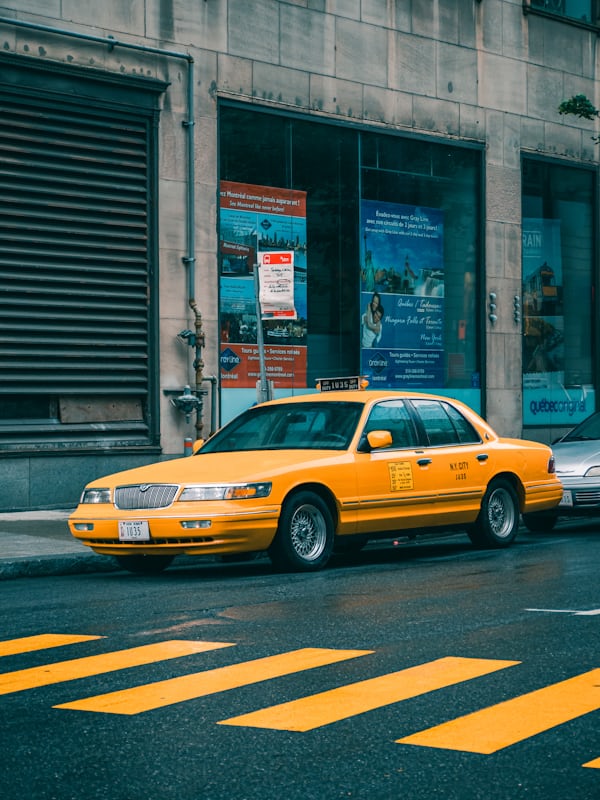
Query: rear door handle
(423, 462)
(482, 457)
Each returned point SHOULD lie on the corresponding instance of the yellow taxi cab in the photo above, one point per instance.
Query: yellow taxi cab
(301, 476)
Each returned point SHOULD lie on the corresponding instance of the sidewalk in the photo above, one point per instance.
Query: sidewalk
(37, 543)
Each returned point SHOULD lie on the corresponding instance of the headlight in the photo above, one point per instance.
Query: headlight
(212, 491)
(95, 496)
(593, 472)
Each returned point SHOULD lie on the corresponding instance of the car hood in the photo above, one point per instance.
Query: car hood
(575, 458)
(254, 465)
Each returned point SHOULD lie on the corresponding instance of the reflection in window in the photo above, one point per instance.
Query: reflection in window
(393, 416)
(319, 425)
(428, 337)
(419, 262)
(443, 424)
(558, 293)
(574, 9)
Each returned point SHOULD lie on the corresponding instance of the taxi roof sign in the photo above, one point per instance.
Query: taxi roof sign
(352, 382)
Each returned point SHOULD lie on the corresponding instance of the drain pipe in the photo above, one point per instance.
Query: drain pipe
(189, 259)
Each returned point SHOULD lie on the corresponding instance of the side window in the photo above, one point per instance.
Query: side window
(438, 425)
(443, 424)
(466, 432)
(393, 416)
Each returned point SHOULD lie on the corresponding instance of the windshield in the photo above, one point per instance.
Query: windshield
(588, 429)
(291, 426)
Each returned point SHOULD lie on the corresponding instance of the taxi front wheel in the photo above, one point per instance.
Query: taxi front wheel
(304, 538)
(498, 520)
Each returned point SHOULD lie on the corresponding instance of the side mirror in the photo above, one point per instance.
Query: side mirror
(379, 439)
(197, 445)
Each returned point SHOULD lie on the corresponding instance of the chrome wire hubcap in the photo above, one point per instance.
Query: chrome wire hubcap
(308, 532)
(501, 513)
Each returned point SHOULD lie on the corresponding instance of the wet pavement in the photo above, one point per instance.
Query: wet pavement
(36, 543)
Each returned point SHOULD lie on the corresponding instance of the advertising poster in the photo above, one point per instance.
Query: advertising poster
(546, 399)
(402, 295)
(256, 221)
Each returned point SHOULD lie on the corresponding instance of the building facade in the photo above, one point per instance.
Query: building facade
(407, 157)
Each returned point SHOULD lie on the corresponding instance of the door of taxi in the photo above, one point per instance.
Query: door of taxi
(459, 461)
(392, 485)
(432, 474)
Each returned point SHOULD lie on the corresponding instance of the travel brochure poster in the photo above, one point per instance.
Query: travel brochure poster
(546, 399)
(255, 220)
(402, 295)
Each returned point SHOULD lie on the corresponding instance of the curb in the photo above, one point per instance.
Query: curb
(45, 566)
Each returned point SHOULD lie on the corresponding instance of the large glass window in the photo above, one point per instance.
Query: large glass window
(558, 293)
(311, 187)
(260, 151)
(581, 10)
(419, 254)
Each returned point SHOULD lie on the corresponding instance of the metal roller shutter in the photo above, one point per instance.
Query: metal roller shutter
(75, 264)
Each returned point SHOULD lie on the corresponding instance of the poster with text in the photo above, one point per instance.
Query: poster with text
(402, 295)
(256, 220)
(276, 282)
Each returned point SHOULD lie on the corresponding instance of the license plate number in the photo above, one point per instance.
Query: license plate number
(567, 499)
(134, 531)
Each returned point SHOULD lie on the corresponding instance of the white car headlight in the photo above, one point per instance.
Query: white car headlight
(214, 491)
(95, 496)
(593, 472)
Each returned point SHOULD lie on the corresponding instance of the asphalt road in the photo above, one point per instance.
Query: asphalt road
(418, 672)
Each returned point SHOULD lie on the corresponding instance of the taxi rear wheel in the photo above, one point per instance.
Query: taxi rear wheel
(498, 520)
(144, 565)
(304, 538)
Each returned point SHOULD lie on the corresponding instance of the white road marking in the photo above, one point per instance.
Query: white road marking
(591, 613)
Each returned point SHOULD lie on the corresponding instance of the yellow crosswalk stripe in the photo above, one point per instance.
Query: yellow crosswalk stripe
(201, 684)
(502, 725)
(42, 641)
(595, 764)
(106, 662)
(324, 708)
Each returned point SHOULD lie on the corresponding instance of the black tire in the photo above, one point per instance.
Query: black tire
(304, 538)
(143, 564)
(540, 522)
(498, 520)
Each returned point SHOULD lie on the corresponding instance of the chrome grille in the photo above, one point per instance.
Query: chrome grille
(145, 495)
(589, 497)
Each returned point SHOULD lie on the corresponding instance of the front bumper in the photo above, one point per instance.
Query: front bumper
(580, 498)
(218, 533)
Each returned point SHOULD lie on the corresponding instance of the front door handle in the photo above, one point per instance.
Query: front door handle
(423, 462)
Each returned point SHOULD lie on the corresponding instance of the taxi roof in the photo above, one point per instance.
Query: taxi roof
(370, 396)
(361, 396)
